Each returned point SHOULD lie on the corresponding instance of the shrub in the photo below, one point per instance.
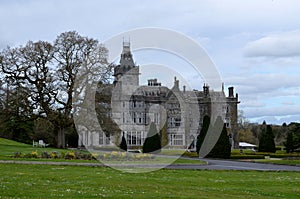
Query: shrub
(247, 157)
(190, 154)
(70, 155)
(222, 149)
(18, 155)
(62, 155)
(203, 132)
(123, 144)
(123, 156)
(45, 154)
(34, 154)
(95, 156)
(152, 143)
(54, 154)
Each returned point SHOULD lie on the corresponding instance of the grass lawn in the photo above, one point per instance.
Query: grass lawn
(9, 147)
(45, 181)
(288, 162)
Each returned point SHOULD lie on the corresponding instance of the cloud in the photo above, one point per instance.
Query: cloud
(285, 44)
(289, 103)
(252, 104)
(279, 111)
(277, 120)
(269, 96)
(266, 84)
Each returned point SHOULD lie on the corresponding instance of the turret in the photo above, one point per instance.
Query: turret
(127, 70)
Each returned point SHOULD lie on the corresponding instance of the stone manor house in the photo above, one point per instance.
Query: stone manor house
(176, 112)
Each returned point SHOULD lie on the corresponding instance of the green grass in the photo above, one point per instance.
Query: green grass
(49, 181)
(287, 162)
(9, 147)
(175, 152)
(45, 181)
(188, 161)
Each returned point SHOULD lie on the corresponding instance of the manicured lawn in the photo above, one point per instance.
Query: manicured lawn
(45, 181)
(9, 147)
(288, 162)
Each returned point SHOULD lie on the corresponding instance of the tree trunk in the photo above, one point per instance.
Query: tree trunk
(61, 138)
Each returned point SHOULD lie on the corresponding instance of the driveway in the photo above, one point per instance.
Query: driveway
(213, 164)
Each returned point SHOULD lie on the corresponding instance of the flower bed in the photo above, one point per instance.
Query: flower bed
(108, 156)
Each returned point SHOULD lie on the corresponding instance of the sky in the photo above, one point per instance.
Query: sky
(255, 44)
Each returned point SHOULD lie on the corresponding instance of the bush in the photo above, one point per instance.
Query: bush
(123, 156)
(45, 154)
(152, 143)
(222, 149)
(70, 155)
(18, 155)
(190, 154)
(54, 154)
(202, 134)
(123, 144)
(247, 157)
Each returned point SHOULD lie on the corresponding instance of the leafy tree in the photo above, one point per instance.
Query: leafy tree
(152, 143)
(222, 149)
(123, 144)
(16, 116)
(43, 130)
(203, 132)
(266, 140)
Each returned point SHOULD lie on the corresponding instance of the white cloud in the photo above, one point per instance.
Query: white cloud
(289, 103)
(277, 120)
(252, 104)
(285, 44)
(266, 84)
(272, 111)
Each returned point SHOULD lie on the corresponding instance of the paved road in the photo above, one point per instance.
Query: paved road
(212, 165)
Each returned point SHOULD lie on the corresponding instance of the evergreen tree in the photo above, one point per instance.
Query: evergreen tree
(123, 144)
(222, 149)
(203, 132)
(289, 144)
(164, 136)
(152, 142)
(292, 142)
(266, 141)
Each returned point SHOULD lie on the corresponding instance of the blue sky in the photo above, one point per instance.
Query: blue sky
(255, 44)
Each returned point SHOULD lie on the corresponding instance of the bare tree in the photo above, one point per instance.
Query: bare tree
(50, 72)
(80, 61)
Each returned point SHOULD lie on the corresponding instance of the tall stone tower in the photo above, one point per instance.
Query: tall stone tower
(127, 72)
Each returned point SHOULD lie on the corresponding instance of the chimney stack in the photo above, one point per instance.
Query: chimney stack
(230, 91)
(205, 89)
(176, 83)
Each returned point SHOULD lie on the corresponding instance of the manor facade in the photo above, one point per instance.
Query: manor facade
(178, 113)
